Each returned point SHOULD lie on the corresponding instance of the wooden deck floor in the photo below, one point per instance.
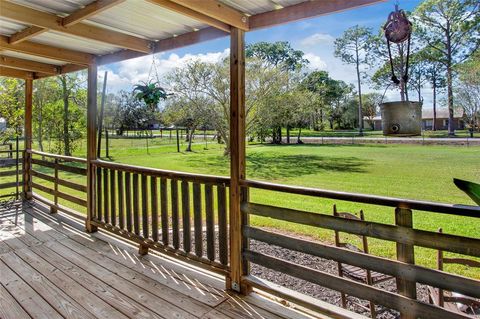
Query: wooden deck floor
(49, 268)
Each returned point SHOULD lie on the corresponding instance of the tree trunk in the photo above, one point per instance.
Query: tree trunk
(451, 130)
(288, 134)
(434, 124)
(360, 105)
(299, 141)
(189, 134)
(66, 137)
(40, 127)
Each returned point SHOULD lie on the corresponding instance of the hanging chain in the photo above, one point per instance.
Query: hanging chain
(153, 68)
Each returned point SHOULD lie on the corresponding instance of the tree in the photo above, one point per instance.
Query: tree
(452, 28)
(282, 56)
(434, 74)
(467, 92)
(44, 94)
(352, 48)
(11, 107)
(371, 105)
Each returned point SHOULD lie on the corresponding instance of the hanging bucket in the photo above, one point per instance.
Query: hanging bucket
(401, 118)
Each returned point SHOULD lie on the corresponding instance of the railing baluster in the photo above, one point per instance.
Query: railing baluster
(113, 211)
(222, 224)
(164, 210)
(136, 205)
(144, 206)
(105, 196)
(128, 200)
(121, 207)
(186, 216)
(210, 222)
(154, 200)
(197, 218)
(99, 193)
(53, 209)
(175, 222)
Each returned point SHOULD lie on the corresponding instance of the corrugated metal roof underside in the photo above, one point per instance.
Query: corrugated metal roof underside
(9, 27)
(67, 41)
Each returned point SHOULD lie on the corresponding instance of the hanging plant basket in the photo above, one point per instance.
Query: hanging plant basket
(151, 93)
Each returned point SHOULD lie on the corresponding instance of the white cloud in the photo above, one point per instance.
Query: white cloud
(317, 38)
(125, 74)
(316, 62)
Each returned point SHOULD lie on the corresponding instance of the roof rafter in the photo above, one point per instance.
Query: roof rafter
(26, 34)
(15, 73)
(171, 5)
(304, 10)
(28, 65)
(88, 11)
(49, 21)
(47, 51)
(218, 11)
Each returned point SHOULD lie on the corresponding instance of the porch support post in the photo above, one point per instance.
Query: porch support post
(237, 159)
(27, 177)
(91, 145)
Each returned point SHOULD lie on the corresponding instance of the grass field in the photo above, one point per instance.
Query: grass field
(407, 171)
(379, 134)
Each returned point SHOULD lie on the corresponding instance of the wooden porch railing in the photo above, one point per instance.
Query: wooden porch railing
(11, 170)
(52, 174)
(155, 208)
(186, 215)
(402, 233)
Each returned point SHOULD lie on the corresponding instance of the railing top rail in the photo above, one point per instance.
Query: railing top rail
(163, 173)
(60, 157)
(453, 209)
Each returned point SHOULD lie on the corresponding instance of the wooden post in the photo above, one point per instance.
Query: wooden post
(237, 158)
(91, 146)
(53, 209)
(405, 253)
(27, 176)
(178, 142)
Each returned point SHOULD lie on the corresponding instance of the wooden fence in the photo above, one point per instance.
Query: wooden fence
(155, 208)
(402, 233)
(52, 175)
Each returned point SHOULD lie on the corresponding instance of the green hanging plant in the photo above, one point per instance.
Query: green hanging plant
(470, 188)
(151, 93)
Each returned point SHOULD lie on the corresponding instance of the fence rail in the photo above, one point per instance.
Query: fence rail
(402, 233)
(156, 208)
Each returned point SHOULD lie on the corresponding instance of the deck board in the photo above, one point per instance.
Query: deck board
(50, 268)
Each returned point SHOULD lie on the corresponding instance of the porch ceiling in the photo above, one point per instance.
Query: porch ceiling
(82, 32)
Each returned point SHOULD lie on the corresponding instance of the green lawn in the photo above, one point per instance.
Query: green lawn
(407, 171)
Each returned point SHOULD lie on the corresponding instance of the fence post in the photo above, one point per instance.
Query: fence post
(406, 254)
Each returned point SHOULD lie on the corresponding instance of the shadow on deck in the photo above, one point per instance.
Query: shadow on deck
(51, 268)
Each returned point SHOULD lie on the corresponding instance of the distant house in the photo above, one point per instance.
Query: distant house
(427, 120)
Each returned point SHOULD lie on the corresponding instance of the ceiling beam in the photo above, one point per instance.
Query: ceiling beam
(172, 43)
(28, 65)
(172, 6)
(218, 11)
(47, 51)
(88, 11)
(49, 21)
(26, 34)
(63, 70)
(15, 73)
(304, 10)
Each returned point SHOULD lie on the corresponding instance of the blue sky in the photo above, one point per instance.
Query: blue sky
(313, 36)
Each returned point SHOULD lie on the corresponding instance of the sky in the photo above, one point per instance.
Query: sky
(315, 37)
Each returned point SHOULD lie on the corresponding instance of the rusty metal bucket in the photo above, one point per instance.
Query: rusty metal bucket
(401, 118)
